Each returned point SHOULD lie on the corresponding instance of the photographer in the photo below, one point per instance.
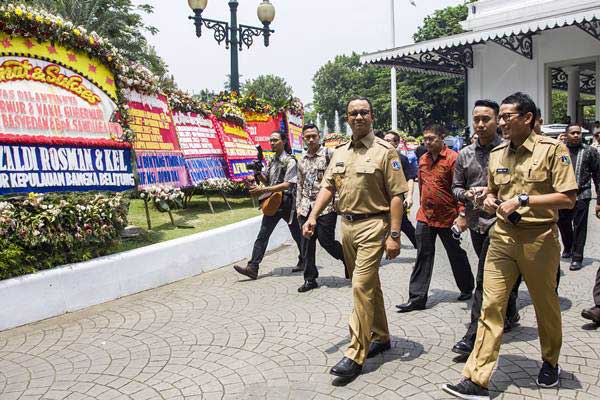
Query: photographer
(280, 176)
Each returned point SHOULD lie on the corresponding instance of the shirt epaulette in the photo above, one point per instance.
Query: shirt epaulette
(501, 146)
(342, 144)
(549, 140)
(384, 143)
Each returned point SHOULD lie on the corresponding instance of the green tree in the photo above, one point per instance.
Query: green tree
(271, 88)
(421, 98)
(119, 21)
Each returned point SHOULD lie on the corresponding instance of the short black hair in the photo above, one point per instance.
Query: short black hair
(310, 126)
(378, 133)
(572, 125)
(538, 113)
(356, 98)
(435, 128)
(393, 133)
(524, 104)
(489, 104)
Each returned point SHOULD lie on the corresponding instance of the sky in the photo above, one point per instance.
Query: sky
(308, 34)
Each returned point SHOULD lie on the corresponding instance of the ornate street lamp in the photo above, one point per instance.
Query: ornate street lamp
(229, 32)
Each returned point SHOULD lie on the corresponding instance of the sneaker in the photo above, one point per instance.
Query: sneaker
(467, 389)
(549, 376)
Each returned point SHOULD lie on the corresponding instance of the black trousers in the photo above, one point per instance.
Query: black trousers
(267, 226)
(481, 242)
(325, 234)
(420, 278)
(408, 229)
(573, 228)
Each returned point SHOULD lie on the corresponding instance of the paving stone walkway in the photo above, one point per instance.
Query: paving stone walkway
(217, 336)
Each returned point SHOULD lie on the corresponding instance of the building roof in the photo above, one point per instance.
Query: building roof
(451, 55)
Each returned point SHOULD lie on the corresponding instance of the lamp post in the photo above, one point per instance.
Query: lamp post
(235, 36)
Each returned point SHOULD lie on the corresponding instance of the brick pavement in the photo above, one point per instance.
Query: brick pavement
(217, 336)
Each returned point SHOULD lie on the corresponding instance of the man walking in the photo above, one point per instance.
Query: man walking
(281, 176)
(532, 176)
(469, 186)
(311, 170)
(573, 223)
(436, 215)
(367, 177)
(409, 174)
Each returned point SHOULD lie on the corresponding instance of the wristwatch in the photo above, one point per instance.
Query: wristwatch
(462, 214)
(523, 199)
(395, 235)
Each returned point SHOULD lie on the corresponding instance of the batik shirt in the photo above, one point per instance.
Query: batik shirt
(311, 170)
(586, 164)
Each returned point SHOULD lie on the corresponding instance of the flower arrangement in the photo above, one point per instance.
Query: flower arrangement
(45, 231)
(221, 185)
(225, 106)
(18, 19)
(250, 103)
(295, 106)
(184, 102)
(165, 198)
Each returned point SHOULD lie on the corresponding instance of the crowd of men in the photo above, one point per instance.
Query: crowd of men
(513, 189)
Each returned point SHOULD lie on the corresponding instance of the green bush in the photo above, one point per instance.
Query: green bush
(45, 231)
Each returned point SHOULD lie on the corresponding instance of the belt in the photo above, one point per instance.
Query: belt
(360, 217)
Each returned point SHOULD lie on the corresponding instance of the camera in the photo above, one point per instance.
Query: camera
(257, 165)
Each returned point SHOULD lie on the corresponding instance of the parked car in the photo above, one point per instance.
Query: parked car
(553, 130)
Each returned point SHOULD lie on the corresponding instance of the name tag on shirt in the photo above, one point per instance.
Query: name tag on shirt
(502, 170)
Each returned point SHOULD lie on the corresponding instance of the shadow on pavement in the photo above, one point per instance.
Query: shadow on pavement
(521, 372)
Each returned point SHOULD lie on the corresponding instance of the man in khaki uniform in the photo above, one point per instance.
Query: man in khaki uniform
(529, 177)
(367, 176)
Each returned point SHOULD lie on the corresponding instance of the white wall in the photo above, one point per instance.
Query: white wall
(499, 72)
(54, 292)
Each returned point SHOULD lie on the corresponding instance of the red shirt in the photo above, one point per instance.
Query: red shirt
(438, 208)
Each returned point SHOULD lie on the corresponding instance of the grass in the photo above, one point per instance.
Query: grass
(196, 218)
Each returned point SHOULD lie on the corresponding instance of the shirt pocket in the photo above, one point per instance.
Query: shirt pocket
(502, 179)
(364, 174)
(537, 181)
(338, 172)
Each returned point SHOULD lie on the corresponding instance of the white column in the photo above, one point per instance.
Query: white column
(393, 89)
(573, 91)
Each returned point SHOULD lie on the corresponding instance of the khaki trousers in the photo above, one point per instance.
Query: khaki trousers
(363, 245)
(534, 253)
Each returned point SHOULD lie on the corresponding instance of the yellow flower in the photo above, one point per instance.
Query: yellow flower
(29, 16)
(18, 11)
(39, 19)
(91, 40)
(77, 32)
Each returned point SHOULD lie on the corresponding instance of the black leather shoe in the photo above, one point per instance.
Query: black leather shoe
(575, 266)
(346, 368)
(308, 285)
(511, 323)
(409, 306)
(566, 254)
(465, 296)
(247, 271)
(463, 347)
(592, 314)
(375, 348)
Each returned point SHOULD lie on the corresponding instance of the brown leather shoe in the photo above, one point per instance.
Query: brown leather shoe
(592, 314)
(247, 271)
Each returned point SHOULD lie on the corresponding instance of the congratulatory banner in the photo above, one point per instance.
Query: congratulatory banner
(53, 168)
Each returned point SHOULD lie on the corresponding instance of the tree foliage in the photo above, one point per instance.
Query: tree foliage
(421, 98)
(271, 88)
(119, 21)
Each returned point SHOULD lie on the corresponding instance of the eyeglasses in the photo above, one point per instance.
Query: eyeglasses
(362, 113)
(274, 140)
(506, 117)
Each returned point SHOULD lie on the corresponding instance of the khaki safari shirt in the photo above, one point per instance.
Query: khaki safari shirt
(541, 165)
(366, 174)
(311, 170)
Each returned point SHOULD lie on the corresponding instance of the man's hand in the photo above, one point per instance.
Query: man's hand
(308, 229)
(508, 207)
(489, 204)
(461, 223)
(256, 190)
(480, 194)
(598, 211)
(392, 248)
